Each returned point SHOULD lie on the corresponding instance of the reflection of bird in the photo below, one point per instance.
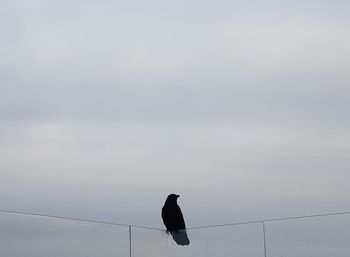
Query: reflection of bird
(174, 220)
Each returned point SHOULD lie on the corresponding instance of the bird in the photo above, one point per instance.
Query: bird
(174, 220)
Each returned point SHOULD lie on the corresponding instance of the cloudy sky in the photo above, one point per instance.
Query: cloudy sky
(241, 107)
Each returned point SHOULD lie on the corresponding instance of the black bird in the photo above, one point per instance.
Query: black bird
(174, 220)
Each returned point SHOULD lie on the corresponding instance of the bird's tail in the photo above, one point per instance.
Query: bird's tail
(180, 237)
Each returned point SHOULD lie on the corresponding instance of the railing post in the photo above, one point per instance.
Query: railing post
(263, 226)
(130, 241)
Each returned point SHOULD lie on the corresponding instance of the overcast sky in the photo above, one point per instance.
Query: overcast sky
(241, 107)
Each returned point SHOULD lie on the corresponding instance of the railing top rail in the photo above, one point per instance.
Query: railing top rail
(190, 228)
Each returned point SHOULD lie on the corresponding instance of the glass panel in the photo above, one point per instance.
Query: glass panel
(33, 236)
(149, 243)
(312, 237)
(240, 241)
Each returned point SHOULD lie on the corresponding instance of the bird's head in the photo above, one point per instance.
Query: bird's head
(173, 197)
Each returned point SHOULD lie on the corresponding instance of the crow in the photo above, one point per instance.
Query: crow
(174, 220)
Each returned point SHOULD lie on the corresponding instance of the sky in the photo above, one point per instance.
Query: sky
(241, 107)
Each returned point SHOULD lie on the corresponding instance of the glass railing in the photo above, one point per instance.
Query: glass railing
(26, 235)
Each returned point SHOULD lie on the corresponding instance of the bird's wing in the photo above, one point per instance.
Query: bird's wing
(180, 219)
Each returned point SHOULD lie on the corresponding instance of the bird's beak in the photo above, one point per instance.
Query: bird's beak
(177, 196)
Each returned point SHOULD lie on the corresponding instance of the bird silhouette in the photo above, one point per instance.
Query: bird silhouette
(174, 220)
